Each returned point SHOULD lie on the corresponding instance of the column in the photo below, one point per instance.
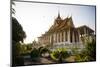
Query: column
(60, 36)
(85, 31)
(54, 37)
(57, 37)
(52, 41)
(68, 35)
(79, 36)
(64, 36)
(88, 31)
(50, 38)
(73, 37)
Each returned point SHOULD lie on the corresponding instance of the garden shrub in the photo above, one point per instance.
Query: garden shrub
(59, 55)
(44, 50)
(34, 54)
(89, 53)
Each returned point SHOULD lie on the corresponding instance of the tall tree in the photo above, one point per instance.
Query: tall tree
(18, 33)
(12, 9)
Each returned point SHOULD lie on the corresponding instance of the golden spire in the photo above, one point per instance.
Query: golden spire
(58, 15)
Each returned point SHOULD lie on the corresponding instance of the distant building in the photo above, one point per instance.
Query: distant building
(64, 33)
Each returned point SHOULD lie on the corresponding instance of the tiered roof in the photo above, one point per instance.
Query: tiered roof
(61, 24)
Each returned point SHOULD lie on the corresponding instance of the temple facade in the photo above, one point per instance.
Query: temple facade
(64, 33)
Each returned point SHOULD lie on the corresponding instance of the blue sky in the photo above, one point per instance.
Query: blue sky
(36, 18)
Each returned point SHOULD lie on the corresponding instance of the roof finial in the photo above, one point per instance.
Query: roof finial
(59, 15)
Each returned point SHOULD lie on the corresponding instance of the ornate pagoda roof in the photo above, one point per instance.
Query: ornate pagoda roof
(60, 24)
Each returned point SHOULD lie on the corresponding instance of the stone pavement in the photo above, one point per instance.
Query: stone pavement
(42, 60)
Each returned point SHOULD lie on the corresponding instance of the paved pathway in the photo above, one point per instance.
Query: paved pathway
(43, 60)
(71, 59)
